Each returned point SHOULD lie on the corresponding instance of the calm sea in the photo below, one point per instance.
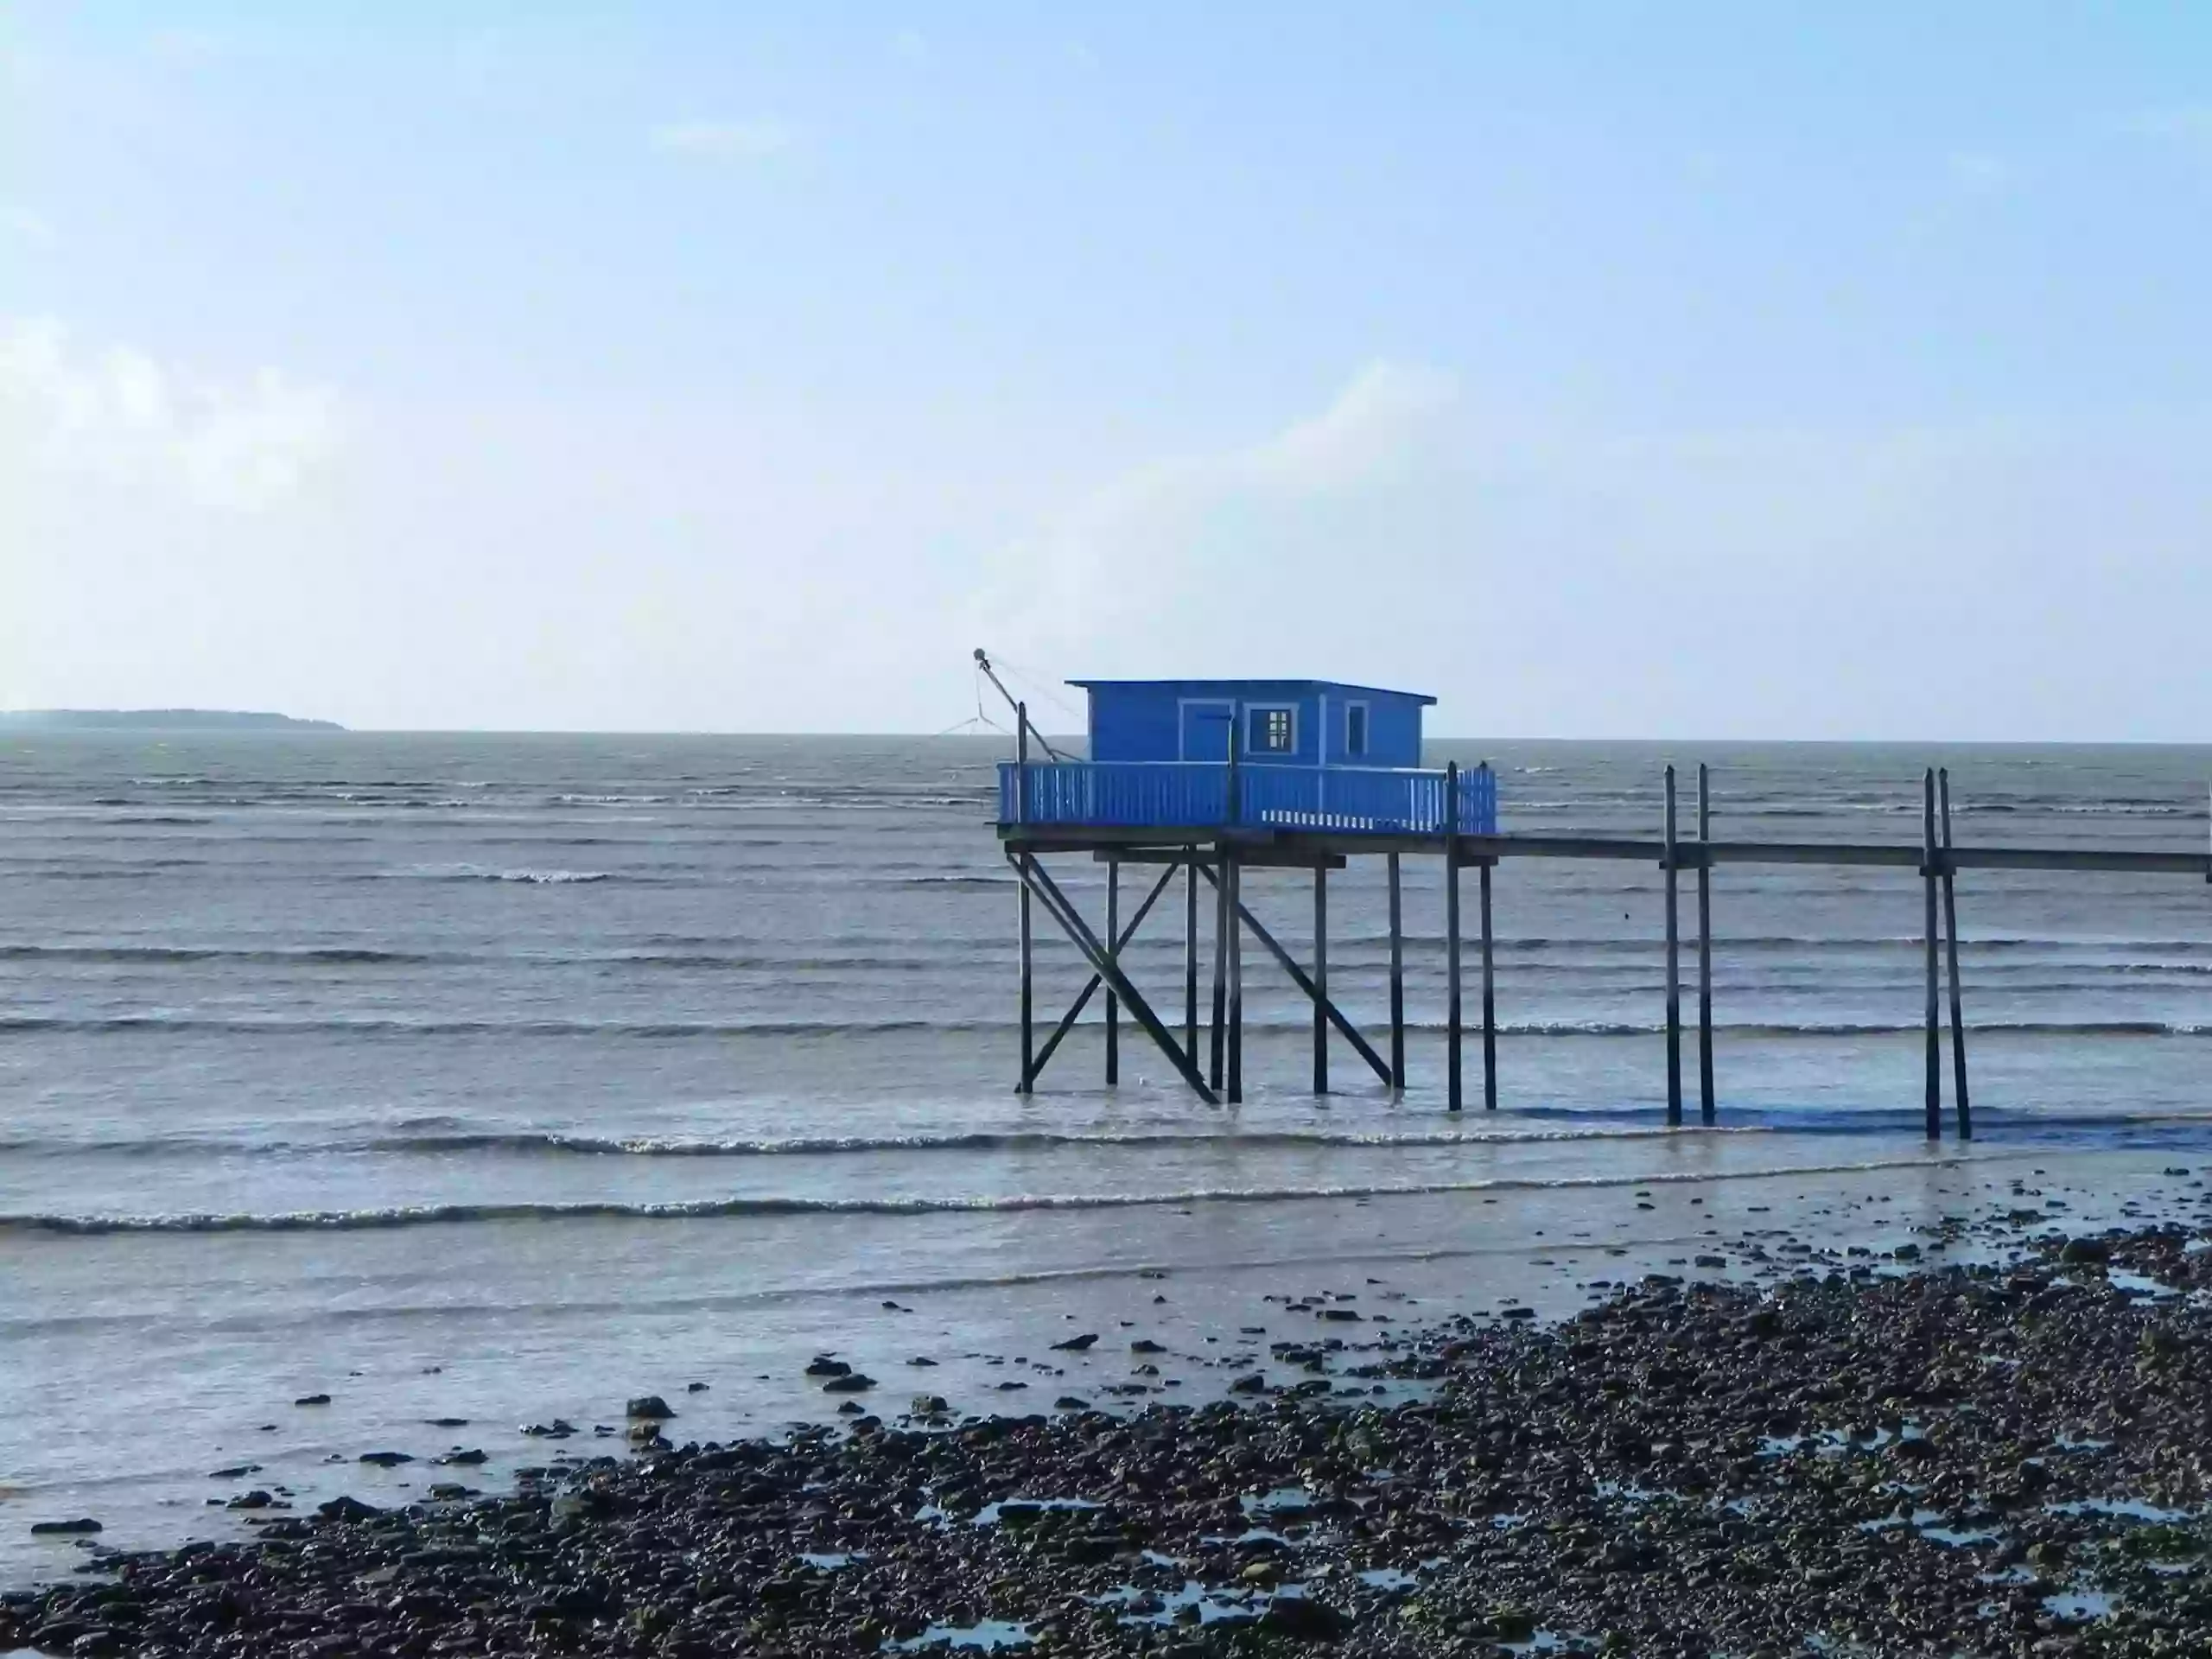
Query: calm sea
(498, 1076)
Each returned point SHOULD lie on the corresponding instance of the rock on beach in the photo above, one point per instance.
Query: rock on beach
(2009, 1461)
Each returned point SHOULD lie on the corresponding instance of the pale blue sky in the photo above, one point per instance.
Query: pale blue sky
(1667, 370)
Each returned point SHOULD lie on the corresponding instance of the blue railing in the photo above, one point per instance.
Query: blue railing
(1182, 795)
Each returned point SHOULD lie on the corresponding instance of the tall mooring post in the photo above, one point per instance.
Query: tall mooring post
(1489, 986)
(1451, 815)
(1113, 951)
(1962, 1115)
(1229, 942)
(1704, 944)
(1320, 979)
(1218, 1043)
(1022, 924)
(1929, 865)
(1668, 860)
(1397, 982)
(1233, 871)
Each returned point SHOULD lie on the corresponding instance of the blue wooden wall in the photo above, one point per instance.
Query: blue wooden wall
(1187, 720)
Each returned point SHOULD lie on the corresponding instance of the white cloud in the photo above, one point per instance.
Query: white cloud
(117, 414)
(723, 140)
(33, 230)
(1185, 534)
(1546, 574)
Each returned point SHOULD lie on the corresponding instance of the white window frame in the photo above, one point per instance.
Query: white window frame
(1257, 709)
(1366, 729)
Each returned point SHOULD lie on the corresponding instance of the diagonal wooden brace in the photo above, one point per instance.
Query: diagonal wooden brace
(1083, 999)
(1078, 931)
(1305, 982)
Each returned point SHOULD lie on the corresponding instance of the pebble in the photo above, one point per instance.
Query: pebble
(1678, 1470)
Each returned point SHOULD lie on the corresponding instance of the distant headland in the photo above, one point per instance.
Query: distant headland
(157, 719)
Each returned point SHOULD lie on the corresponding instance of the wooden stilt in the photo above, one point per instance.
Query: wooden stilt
(1320, 980)
(1234, 873)
(1929, 861)
(1452, 1082)
(1222, 902)
(1397, 982)
(1190, 953)
(1092, 985)
(1488, 789)
(1705, 1101)
(1490, 989)
(1668, 859)
(1033, 875)
(1028, 999)
(1113, 1002)
(1022, 815)
(1304, 981)
(1962, 1112)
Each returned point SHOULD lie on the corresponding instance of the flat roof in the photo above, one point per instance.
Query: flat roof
(1317, 685)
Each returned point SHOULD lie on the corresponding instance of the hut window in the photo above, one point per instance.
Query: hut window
(1275, 731)
(1355, 729)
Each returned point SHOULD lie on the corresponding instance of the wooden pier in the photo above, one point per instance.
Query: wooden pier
(1212, 856)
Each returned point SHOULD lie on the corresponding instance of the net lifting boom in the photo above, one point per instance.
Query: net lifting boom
(1021, 713)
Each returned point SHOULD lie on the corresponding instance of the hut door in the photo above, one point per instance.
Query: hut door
(1205, 722)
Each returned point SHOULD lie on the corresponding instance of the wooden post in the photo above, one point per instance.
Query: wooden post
(1021, 763)
(1113, 1002)
(1452, 935)
(1222, 902)
(1231, 801)
(1191, 955)
(1490, 992)
(1229, 941)
(1092, 985)
(1963, 1112)
(1023, 927)
(1667, 863)
(1928, 866)
(1102, 964)
(1320, 979)
(1397, 983)
(1304, 981)
(1028, 1026)
(1704, 1103)
(1236, 873)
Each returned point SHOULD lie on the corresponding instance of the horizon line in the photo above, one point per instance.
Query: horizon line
(344, 730)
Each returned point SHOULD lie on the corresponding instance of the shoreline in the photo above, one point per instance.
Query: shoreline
(744, 1305)
(1888, 1461)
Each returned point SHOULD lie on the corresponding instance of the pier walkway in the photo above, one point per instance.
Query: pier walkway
(1212, 820)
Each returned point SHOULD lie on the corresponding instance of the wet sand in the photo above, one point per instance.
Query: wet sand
(1984, 1431)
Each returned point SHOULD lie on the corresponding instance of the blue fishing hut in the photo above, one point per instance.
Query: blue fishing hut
(1274, 722)
(1286, 754)
(1211, 778)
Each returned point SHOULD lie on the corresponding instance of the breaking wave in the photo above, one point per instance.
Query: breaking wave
(464, 1214)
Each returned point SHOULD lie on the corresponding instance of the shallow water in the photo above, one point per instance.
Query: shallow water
(578, 1067)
